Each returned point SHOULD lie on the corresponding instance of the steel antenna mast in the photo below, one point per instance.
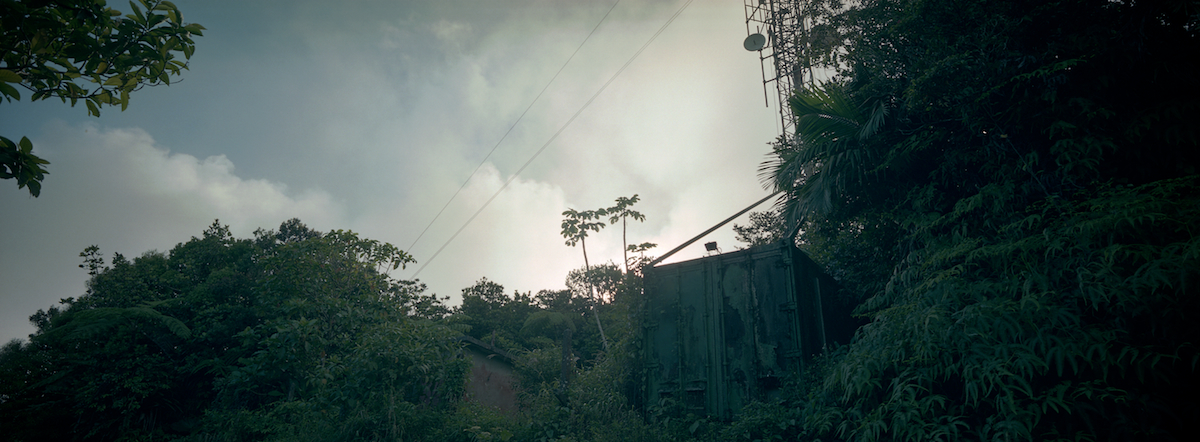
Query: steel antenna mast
(778, 31)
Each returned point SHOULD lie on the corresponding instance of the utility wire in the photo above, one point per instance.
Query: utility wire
(514, 125)
(553, 137)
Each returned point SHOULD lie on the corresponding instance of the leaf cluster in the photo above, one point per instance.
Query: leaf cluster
(520, 322)
(1014, 205)
(18, 161)
(83, 50)
(576, 224)
(764, 228)
(50, 48)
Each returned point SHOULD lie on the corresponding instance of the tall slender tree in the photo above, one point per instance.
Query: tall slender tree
(575, 228)
(621, 212)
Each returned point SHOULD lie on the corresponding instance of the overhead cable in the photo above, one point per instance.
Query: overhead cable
(553, 137)
(514, 125)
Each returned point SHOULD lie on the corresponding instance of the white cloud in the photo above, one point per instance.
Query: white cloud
(117, 189)
(368, 117)
(515, 241)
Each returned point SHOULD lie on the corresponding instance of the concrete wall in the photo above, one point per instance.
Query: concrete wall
(491, 381)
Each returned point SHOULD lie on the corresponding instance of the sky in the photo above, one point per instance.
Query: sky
(369, 115)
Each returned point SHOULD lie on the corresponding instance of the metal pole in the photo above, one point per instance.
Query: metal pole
(706, 232)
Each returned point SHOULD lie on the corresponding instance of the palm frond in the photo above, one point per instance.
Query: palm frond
(828, 156)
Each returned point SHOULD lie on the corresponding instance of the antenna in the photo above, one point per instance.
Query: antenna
(755, 42)
(785, 45)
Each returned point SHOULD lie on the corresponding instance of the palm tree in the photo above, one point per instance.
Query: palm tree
(827, 157)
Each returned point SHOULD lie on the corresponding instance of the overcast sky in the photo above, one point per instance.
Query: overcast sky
(369, 115)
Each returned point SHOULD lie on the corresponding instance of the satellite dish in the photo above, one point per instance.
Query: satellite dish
(755, 42)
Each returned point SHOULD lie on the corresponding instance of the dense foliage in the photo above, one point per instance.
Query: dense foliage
(764, 228)
(600, 396)
(301, 335)
(1008, 189)
(291, 335)
(1011, 189)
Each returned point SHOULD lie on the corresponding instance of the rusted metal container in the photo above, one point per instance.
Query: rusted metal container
(725, 330)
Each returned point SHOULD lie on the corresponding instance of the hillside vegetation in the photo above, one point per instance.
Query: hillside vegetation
(1009, 191)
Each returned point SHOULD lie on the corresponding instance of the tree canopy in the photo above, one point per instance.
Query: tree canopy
(1010, 189)
(296, 334)
(83, 50)
(764, 228)
(292, 334)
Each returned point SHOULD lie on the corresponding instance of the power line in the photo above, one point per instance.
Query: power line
(556, 134)
(514, 125)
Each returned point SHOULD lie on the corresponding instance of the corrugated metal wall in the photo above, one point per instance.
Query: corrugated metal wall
(724, 330)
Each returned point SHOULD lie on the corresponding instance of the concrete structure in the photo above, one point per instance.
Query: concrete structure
(491, 381)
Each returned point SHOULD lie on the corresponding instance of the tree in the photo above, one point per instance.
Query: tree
(621, 212)
(290, 231)
(77, 50)
(494, 317)
(765, 228)
(640, 260)
(576, 225)
(601, 279)
(829, 156)
(1017, 226)
(575, 228)
(284, 336)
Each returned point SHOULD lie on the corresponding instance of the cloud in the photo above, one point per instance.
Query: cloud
(515, 241)
(116, 188)
(369, 117)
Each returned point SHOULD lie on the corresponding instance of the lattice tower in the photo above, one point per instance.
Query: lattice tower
(785, 28)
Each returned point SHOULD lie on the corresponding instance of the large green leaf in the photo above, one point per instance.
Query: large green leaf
(8, 76)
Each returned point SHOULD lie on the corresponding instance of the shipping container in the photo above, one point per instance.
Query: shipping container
(724, 330)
